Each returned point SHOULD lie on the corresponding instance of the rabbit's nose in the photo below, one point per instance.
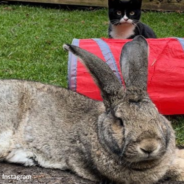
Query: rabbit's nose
(149, 146)
(146, 151)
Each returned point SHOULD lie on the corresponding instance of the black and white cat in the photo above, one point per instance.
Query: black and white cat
(124, 16)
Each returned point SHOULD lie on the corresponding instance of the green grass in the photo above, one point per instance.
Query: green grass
(165, 24)
(178, 124)
(31, 40)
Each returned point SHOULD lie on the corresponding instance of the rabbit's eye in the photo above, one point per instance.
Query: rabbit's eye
(120, 122)
(119, 13)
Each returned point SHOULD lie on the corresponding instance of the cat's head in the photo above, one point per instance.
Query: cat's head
(122, 11)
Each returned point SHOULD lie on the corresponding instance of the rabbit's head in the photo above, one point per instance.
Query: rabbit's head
(131, 128)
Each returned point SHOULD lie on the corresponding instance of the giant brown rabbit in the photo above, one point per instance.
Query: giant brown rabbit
(123, 139)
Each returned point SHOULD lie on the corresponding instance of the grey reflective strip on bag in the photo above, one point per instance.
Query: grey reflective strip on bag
(109, 58)
(181, 40)
(72, 68)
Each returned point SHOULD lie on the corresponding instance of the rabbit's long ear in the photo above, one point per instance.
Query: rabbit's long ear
(134, 63)
(109, 85)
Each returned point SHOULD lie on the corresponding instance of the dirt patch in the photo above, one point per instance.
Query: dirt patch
(43, 176)
(38, 175)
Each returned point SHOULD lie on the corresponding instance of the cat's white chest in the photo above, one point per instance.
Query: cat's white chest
(122, 31)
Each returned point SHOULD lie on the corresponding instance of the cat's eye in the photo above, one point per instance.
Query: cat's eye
(132, 13)
(119, 13)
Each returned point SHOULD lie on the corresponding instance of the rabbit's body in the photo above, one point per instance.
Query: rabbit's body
(122, 139)
(30, 114)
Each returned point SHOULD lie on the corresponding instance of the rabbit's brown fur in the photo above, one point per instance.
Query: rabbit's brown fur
(123, 139)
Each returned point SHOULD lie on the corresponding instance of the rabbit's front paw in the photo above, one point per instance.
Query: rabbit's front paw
(22, 157)
(179, 175)
(176, 172)
(180, 153)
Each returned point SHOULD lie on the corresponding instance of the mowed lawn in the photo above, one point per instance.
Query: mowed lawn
(31, 39)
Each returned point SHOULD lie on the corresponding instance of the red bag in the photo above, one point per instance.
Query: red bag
(165, 70)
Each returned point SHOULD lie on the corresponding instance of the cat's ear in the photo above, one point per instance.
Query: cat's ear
(134, 63)
(136, 3)
(111, 3)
